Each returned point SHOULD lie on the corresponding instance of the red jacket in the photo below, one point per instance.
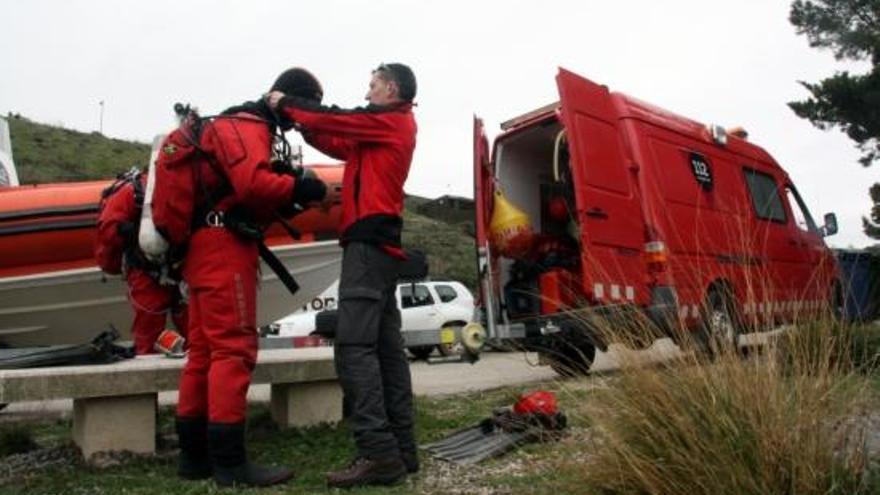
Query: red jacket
(377, 145)
(241, 146)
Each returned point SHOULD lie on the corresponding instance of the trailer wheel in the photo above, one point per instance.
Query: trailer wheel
(720, 328)
(447, 350)
(421, 351)
(453, 349)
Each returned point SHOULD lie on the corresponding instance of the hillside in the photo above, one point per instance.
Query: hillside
(451, 252)
(45, 153)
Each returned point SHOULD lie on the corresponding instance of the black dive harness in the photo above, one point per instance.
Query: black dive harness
(237, 219)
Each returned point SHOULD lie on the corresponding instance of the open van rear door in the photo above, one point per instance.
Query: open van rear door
(484, 190)
(484, 183)
(612, 230)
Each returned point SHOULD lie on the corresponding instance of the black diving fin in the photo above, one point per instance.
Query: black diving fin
(492, 437)
(99, 351)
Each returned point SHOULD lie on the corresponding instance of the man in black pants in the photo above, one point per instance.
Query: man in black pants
(377, 144)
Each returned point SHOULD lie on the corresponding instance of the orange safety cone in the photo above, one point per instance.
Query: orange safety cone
(510, 229)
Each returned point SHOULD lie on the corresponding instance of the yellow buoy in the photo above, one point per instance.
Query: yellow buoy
(510, 229)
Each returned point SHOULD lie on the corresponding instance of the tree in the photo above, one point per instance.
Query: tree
(872, 223)
(850, 102)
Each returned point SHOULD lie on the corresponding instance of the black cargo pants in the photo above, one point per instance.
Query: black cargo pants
(369, 355)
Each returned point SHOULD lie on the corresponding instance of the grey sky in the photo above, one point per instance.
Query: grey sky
(730, 63)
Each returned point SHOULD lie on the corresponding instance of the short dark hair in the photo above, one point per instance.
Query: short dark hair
(402, 75)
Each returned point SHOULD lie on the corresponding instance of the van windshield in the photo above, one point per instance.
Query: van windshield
(799, 211)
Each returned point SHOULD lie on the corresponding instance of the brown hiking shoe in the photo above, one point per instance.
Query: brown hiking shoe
(410, 460)
(365, 471)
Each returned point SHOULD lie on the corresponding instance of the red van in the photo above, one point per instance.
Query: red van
(639, 214)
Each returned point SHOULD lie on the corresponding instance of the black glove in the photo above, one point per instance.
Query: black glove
(308, 189)
(127, 231)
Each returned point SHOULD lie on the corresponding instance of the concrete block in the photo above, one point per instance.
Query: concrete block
(121, 423)
(306, 404)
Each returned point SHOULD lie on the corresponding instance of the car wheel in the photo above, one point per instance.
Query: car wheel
(421, 351)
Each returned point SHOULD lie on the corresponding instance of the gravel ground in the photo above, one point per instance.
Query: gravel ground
(439, 476)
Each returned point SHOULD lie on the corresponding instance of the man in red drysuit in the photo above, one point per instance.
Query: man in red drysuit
(221, 269)
(377, 144)
(116, 251)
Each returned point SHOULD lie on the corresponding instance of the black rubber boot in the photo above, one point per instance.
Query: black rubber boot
(231, 467)
(192, 437)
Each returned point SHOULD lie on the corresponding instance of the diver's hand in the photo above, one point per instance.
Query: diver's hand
(273, 98)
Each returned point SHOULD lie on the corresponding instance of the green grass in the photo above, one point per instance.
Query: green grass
(44, 153)
(451, 252)
(646, 407)
(310, 452)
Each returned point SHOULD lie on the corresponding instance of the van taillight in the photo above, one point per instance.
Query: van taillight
(655, 256)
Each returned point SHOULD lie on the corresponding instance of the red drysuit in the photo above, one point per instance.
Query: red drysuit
(117, 239)
(221, 270)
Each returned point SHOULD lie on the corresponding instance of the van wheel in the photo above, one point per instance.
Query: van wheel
(570, 361)
(421, 351)
(720, 327)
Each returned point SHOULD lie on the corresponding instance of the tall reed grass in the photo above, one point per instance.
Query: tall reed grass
(787, 420)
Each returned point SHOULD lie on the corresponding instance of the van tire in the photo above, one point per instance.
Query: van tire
(570, 361)
(421, 351)
(720, 327)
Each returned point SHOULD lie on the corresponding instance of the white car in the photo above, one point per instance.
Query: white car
(431, 314)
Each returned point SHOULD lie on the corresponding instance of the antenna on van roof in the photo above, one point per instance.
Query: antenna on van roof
(718, 134)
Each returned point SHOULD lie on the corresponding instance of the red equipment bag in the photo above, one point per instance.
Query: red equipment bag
(118, 213)
(540, 402)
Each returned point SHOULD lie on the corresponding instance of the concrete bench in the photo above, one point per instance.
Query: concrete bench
(114, 405)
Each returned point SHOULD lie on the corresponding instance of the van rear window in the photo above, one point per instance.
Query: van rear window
(765, 196)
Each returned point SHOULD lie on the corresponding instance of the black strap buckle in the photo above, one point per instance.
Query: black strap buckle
(215, 219)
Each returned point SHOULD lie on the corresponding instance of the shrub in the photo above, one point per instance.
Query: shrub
(782, 423)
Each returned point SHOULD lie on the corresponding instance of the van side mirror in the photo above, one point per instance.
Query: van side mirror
(830, 227)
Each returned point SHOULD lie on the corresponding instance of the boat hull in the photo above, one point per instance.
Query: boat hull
(72, 306)
(52, 292)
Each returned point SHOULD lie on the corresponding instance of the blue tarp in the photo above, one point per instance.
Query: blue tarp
(861, 283)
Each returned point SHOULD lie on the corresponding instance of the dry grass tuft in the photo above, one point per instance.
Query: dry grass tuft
(784, 421)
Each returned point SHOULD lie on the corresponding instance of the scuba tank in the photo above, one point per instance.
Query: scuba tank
(150, 240)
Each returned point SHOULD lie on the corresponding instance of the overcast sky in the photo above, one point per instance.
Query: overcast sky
(730, 63)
